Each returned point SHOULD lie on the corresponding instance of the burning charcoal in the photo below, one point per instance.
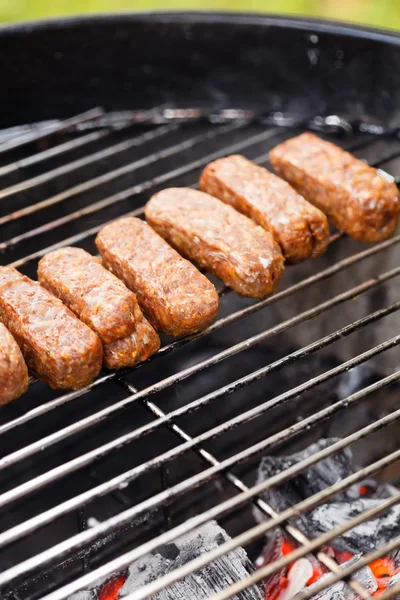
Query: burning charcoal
(386, 570)
(364, 576)
(214, 578)
(110, 590)
(273, 550)
(306, 572)
(341, 591)
(345, 506)
(370, 488)
(203, 584)
(392, 582)
(298, 576)
(363, 538)
(315, 479)
(335, 592)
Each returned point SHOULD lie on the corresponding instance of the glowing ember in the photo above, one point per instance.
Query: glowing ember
(318, 570)
(348, 548)
(287, 547)
(306, 571)
(299, 574)
(341, 557)
(110, 591)
(383, 569)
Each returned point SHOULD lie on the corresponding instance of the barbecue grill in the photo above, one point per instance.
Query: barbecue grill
(96, 479)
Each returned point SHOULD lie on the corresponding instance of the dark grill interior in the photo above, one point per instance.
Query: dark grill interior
(89, 476)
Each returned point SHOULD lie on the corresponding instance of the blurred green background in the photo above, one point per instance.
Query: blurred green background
(380, 13)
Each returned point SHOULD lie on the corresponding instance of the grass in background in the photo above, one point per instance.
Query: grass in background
(379, 13)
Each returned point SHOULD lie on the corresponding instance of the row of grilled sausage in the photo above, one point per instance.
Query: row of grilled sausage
(86, 312)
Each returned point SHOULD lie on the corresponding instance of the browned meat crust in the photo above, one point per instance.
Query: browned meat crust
(139, 346)
(174, 295)
(242, 254)
(94, 294)
(356, 198)
(13, 371)
(301, 230)
(58, 348)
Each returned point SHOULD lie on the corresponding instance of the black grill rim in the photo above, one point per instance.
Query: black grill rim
(204, 17)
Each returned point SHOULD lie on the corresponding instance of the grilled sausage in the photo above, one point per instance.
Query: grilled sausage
(300, 229)
(139, 346)
(356, 198)
(174, 295)
(13, 371)
(60, 349)
(241, 253)
(95, 295)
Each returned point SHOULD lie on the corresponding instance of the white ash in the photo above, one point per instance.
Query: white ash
(363, 538)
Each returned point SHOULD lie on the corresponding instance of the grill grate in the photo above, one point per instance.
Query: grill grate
(30, 226)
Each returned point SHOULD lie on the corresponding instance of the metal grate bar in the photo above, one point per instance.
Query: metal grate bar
(222, 290)
(366, 560)
(46, 131)
(83, 424)
(392, 592)
(78, 164)
(135, 190)
(82, 526)
(46, 517)
(130, 514)
(112, 527)
(259, 575)
(127, 193)
(303, 284)
(259, 530)
(78, 541)
(239, 485)
(15, 131)
(104, 203)
(66, 147)
(312, 546)
(39, 157)
(102, 154)
(306, 549)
